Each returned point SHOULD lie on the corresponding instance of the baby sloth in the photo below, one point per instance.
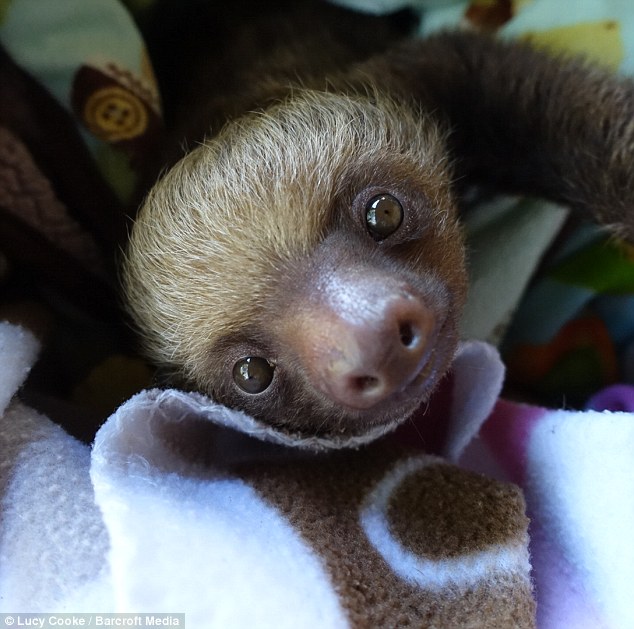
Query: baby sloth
(306, 264)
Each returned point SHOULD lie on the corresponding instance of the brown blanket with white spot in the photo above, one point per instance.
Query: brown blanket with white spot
(185, 506)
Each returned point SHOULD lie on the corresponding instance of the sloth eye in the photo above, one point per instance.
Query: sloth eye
(253, 374)
(383, 215)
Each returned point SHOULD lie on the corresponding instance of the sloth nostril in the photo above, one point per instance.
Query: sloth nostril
(407, 334)
(364, 384)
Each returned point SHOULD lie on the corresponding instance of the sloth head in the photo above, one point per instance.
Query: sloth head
(305, 265)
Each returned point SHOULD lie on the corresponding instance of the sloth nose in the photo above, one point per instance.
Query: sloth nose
(381, 357)
(374, 351)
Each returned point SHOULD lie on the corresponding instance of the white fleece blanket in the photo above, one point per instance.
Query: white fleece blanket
(132, 525)
(147, 520)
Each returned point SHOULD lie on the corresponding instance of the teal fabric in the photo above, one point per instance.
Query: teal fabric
(53, 41)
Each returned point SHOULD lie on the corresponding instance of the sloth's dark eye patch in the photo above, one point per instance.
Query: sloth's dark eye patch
(253, 374)
(383, 215)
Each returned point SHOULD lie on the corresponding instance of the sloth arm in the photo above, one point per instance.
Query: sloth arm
(524, 121)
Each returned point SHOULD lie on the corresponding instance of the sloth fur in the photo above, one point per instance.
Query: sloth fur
(256, 243)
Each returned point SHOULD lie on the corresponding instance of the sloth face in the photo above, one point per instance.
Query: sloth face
(305, 265)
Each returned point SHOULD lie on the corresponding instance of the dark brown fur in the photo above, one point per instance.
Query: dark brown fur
(255, 244)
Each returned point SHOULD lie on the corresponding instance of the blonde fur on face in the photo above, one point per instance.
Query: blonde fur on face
(277, 213)
(215, 231)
